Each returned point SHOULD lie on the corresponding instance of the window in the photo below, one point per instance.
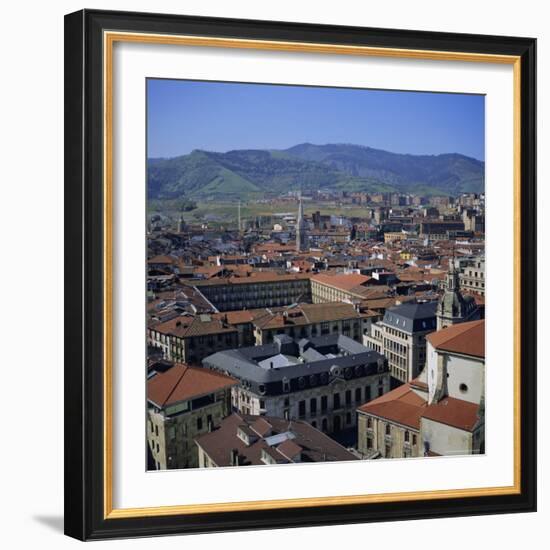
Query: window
(324, 425)
(156, 430)
(348, 418)
(388, 429)
(367, 393)
(301, 409)
(358, 394)
(369, 443)
(313, 405)
(388, 451)
(414, 439)
(406, 436)
(369, 422)
(324, 403)
(336, 401)
(199, 423)
(348, 397)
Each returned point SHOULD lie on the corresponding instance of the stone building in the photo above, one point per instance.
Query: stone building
(183, 403)
(321, 380)
(310, 320)
(401, 337)
(263, 289)
(188, 339)
(243, 440)
(343, 287)
(442, 412)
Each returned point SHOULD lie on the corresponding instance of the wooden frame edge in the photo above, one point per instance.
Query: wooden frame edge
(110, 37)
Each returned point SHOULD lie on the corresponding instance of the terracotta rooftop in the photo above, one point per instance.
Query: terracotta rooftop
(343, 281)
(465, 338)
(181, 383)
(401, 405)
(186, 326)
(304, 314)
(453, 412)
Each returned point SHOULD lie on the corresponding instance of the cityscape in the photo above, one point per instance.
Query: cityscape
(314, 303)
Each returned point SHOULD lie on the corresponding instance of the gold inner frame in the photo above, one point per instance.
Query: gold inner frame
(109, 39)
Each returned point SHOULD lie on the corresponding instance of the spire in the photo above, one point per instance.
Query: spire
(452, 275)
(301, 237)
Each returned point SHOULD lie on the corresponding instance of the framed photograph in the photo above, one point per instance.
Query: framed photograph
(300, 274)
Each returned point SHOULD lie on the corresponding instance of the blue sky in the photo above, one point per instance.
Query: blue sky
(185, 115)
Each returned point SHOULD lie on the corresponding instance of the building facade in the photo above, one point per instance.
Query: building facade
(340, 287)
(309, 321)
(401, 337)
(472, 278)
(183, 403)
(259, 290)
(319, 380)
(442, 412)
(189, 339)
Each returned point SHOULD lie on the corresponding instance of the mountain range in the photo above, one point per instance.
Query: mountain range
(252, 173)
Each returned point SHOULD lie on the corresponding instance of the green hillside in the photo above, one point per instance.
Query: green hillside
(256, 173)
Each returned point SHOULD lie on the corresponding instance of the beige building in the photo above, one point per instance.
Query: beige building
(442, 412)
(183, 403)
(310, 320)
(188, 339)
(393, 236)
(472, 277)
(344, 287)
(401, 337)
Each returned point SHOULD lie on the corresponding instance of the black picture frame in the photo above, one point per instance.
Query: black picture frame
(84, 282)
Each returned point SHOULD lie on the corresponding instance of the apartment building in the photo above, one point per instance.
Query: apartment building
(183, 403)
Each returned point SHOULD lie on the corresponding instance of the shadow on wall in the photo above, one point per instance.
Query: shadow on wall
(55, 523)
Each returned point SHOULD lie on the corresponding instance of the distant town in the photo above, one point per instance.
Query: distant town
(315, 326)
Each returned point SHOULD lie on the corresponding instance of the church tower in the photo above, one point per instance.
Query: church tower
(181, 225)
(301, 235)
(453, 307)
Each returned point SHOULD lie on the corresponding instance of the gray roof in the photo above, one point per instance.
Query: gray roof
(412, 317)
(325, 358)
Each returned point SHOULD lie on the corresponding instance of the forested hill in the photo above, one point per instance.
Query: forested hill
(249, 173)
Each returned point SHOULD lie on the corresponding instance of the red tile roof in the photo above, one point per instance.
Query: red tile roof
(453, 412)
(464, 338)
(343, 281)
(401, 405)
(181, 383)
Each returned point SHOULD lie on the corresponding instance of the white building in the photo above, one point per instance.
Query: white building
(442, 412)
